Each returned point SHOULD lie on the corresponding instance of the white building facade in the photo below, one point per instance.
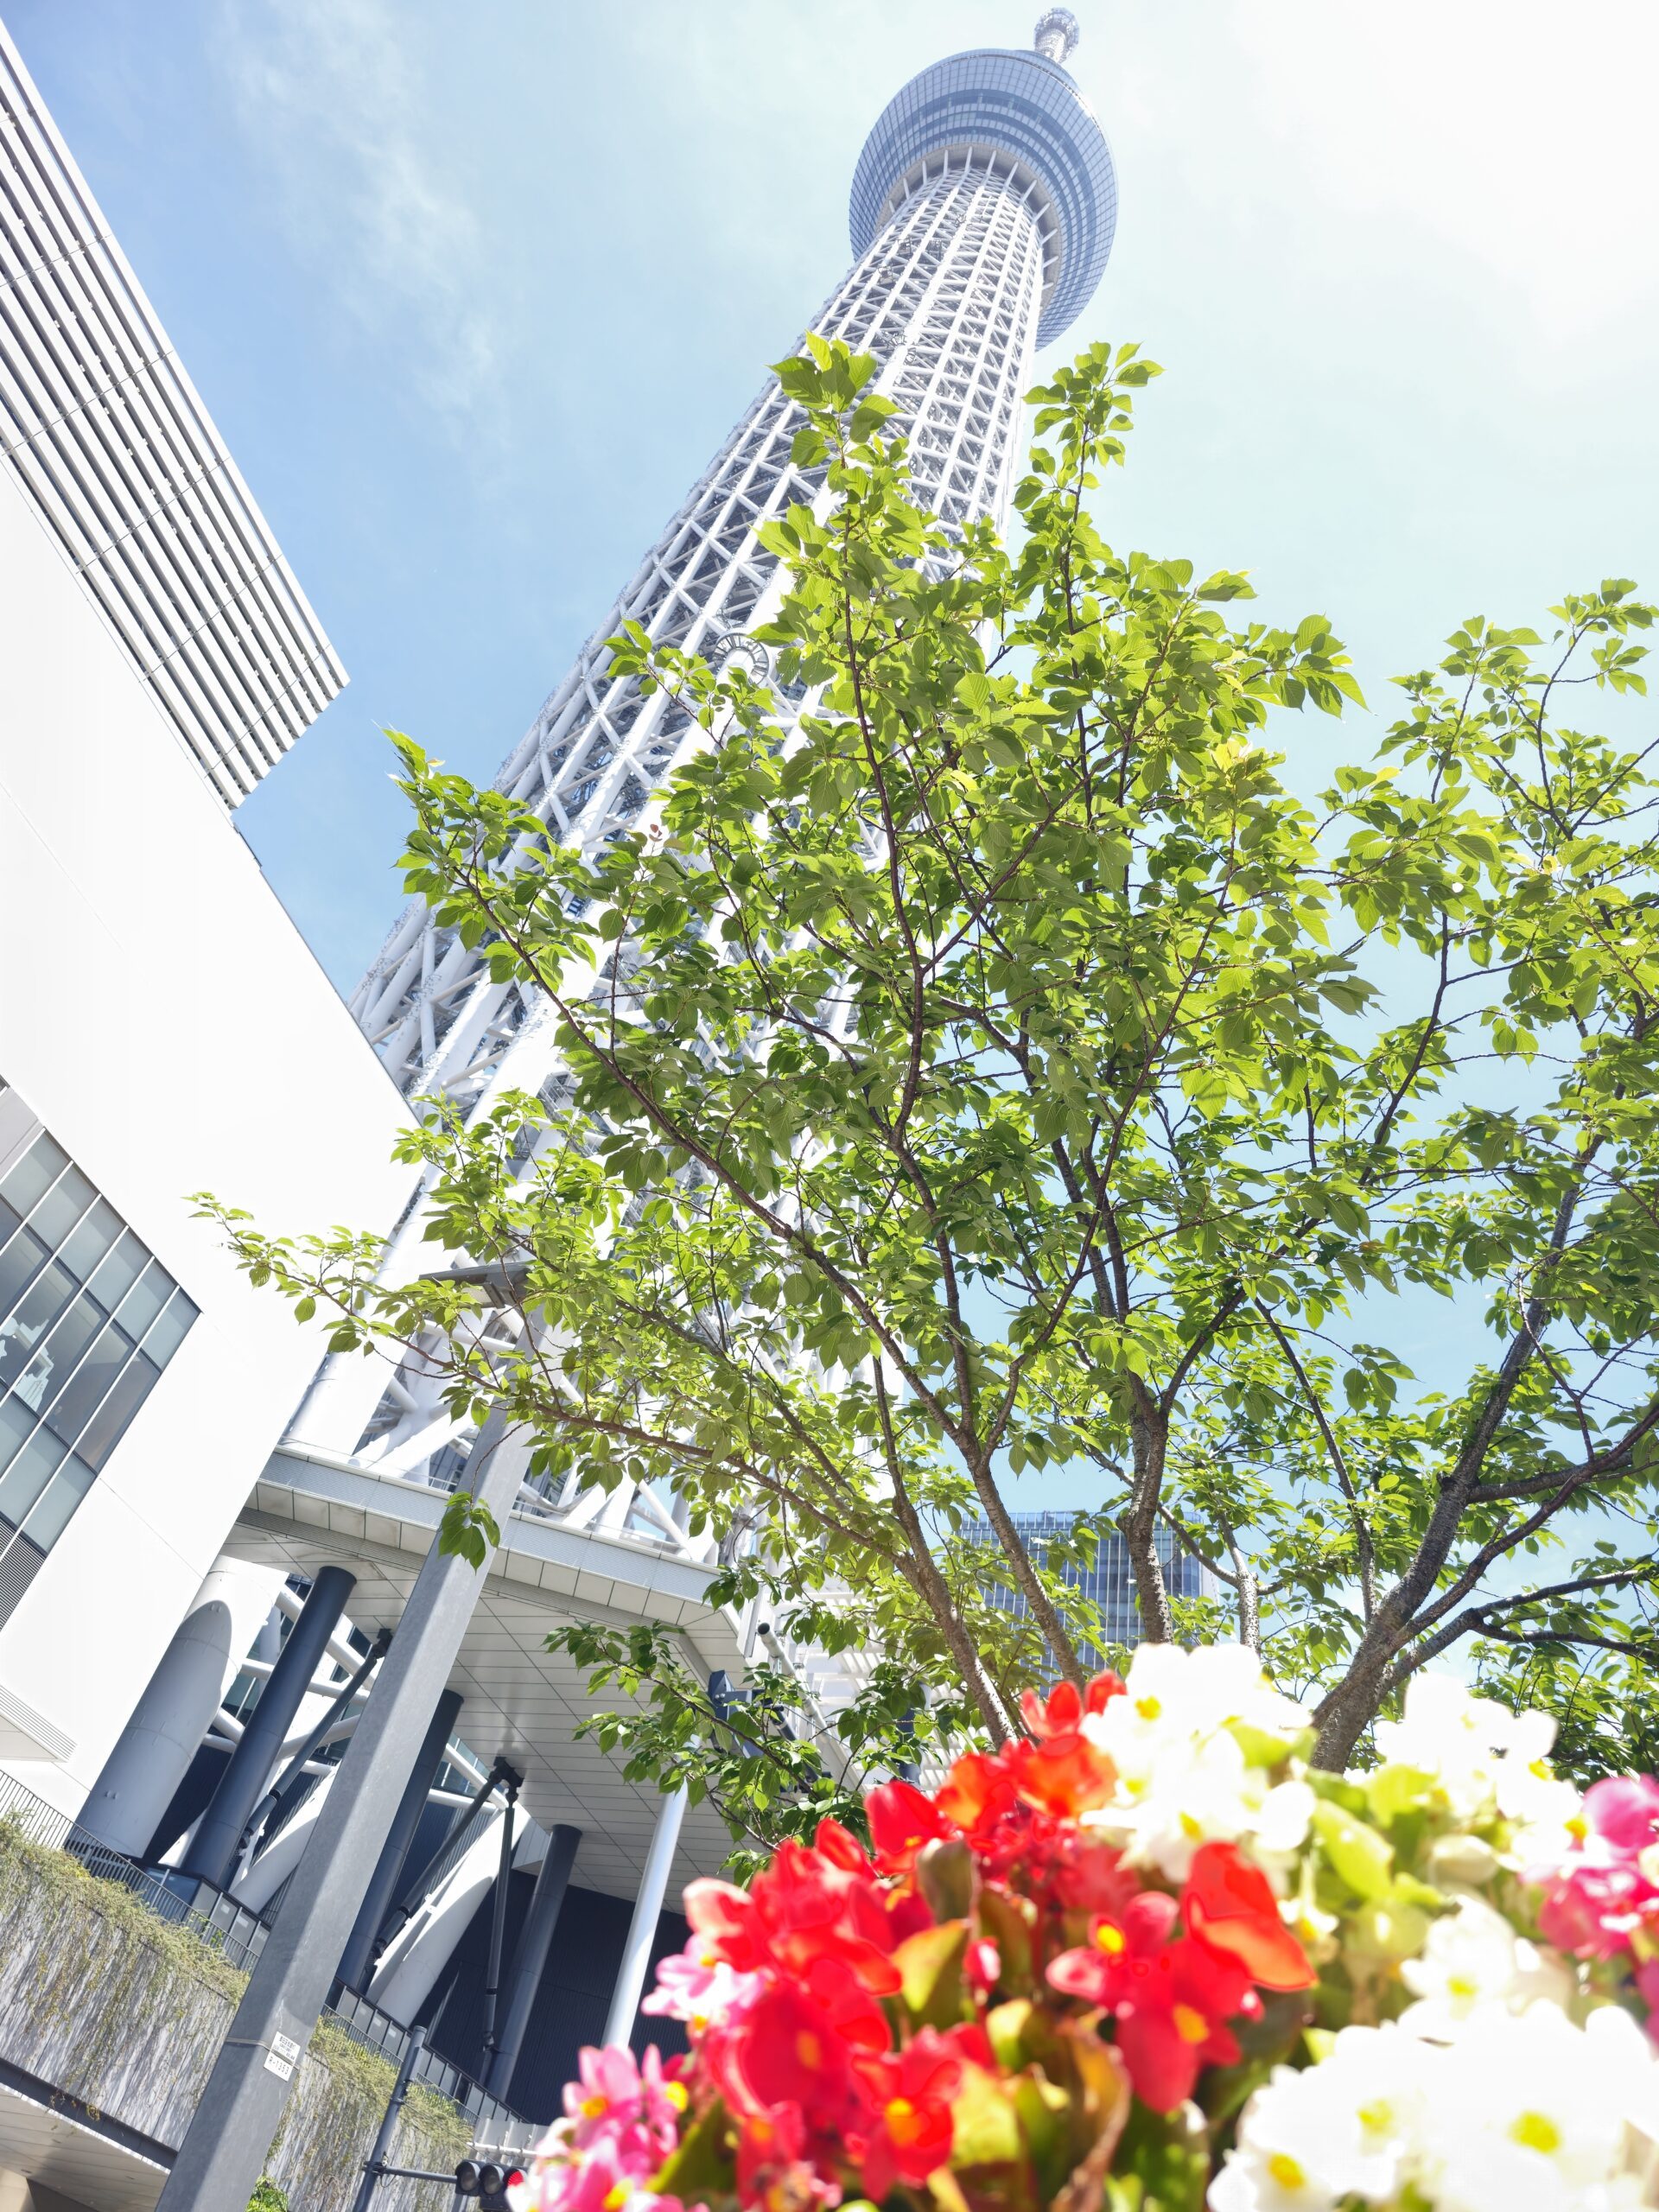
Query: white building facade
(163, 1027)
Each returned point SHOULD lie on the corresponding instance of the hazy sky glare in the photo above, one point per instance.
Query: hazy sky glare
(475, 293)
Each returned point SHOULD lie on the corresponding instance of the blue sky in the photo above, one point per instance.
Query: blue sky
(473, 293)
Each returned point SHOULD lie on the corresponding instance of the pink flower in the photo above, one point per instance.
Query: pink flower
(1623, 1811)
(1600, 1895)
(630, 2107)
(695, 1987)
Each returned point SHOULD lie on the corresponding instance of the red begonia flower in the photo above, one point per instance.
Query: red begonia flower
(1121, 1953)
(902, 1822)
(1178, 2025)
(1062, 1712)
(912, 2092)
(783, 2049)
(977, 1791)
(1229, 1906)
(724, 1918)
(1063, 1774)
(841, 1849)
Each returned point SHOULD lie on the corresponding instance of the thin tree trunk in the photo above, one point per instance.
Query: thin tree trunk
(1149, 1437)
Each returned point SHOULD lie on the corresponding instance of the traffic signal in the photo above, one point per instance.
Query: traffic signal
(488, 2182)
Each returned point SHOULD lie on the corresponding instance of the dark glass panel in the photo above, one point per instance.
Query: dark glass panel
(22, 1256)
(54, 1363)
(28, 1474)
(50, 1517)
(89, 1243)
(31, 1177)
(83, 1393)
(62, 1207)
(34, 1314)
(109, 1424)
(166, 1334)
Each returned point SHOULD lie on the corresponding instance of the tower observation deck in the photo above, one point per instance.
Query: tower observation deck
(981, 215)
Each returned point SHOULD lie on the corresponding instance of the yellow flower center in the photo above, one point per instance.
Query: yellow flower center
(1458, 1984)
(1376, 2119)
(1535, 2131)
(1190, 2024)
(1285, 2171)
(594, 2107)
(697, 2022)
(809, 2051)
(617, 2197)
(675, 2092)
(1577, 1827)
(1110, 1939)
(1147, 1707)
(904, 2121)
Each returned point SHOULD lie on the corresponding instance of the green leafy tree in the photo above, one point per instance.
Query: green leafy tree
(999, 1067)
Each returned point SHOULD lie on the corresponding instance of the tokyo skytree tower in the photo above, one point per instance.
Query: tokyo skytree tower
(981, 216)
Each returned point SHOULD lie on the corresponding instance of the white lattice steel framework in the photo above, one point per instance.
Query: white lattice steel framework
(982, 214)
(986, 191)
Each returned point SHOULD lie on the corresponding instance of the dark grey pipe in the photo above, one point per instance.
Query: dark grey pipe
(534, 1943)
(293, 1776)
(498, 1928)
(213, 1854)
(357, 1961)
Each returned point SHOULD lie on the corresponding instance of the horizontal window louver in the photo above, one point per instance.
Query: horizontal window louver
(101, 428)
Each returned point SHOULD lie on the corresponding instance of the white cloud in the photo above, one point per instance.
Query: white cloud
(327, 93)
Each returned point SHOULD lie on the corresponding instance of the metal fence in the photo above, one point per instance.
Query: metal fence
(213, 1919)
(220, 1924)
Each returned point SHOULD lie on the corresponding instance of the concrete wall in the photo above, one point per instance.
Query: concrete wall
(100, 2002)
(163, 1017)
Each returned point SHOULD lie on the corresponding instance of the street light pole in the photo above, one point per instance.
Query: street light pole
(222, 2152)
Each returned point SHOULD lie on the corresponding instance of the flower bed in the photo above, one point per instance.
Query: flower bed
(1144, 1960)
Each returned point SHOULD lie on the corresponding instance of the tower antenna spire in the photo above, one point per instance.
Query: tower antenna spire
(1057, 35)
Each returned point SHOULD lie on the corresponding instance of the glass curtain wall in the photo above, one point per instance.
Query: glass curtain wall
(88, 1319)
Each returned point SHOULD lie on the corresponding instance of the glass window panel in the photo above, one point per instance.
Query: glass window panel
(18, 1264)
(108, 1425)
(80, 1399)
(169, 1333)
(9, 1218)
(62, 1207)
(91, 1239)
(67, 1487)
(15, 1424)
(31, 1177)
(54, 1363)
(145, 1300)
(28, 1474)
(120, 1271)
(34, 1314)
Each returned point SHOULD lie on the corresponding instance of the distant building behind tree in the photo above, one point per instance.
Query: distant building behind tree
(1106, 1581)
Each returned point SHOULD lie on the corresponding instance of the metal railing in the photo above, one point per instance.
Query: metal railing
(214, 1919)
(222, 1925)
(496, 2127)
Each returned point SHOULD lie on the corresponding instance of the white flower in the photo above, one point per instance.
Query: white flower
(1187, 1739)
(1266, 2181)
(1528, 2110)
(1349, 2127)
(1474, 1960)
(1519, 2111)
(1458, 1739)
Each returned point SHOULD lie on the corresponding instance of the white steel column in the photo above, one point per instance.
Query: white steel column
(647, 1912)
